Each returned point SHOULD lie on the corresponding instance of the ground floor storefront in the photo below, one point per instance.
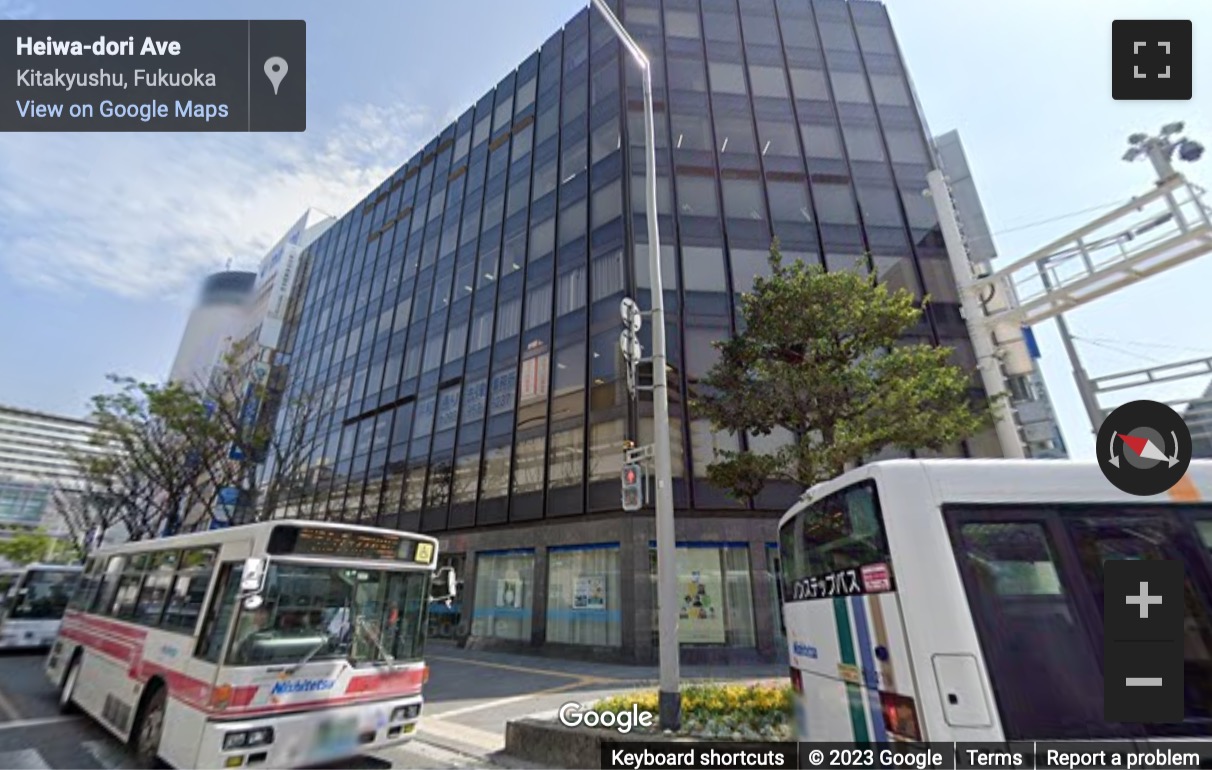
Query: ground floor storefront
(587, 588)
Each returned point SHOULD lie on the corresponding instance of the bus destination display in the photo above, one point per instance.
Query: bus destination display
(345, 545)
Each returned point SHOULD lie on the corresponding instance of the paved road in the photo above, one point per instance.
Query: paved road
(34, 736)
(468, 700)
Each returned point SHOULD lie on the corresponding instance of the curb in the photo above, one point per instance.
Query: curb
(577, 748)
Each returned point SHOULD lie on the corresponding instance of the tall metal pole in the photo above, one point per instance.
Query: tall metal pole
(974, 316)
(1084, 387)
(666, 537)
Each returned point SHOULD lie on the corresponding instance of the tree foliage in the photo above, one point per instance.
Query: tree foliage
(29, 547)
(822, 361)
(163, 453)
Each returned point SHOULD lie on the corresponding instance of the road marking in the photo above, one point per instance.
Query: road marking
(514, 699)
(27, 759)
(10, 711)
(36, 722)
(461, 734)
(525, 669)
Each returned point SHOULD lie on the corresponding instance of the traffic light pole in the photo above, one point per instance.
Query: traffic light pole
(667, 586)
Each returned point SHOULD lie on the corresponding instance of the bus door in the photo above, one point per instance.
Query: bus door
(1099, 535)
(1040, 636)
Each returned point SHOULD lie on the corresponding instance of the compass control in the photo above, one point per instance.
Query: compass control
(1144, 448)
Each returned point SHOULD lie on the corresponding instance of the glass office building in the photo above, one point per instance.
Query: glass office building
(461, 324)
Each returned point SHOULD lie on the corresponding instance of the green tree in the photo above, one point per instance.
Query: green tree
(822, 359)
(27, 547)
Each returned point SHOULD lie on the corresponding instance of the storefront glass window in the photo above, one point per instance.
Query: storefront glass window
(715, 593)
(504, 581)
(583, 595)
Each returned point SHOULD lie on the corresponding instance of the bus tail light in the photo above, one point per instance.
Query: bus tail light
(220, 697)
(797, 680)
(900, 716)
(425, 674)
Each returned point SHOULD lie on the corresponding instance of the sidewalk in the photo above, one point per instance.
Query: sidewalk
(471, 695)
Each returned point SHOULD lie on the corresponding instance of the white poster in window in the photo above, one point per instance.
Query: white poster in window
(509, 593)
(701, 615)
(589, 593)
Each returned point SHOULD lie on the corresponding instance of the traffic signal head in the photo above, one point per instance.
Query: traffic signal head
(633, 491)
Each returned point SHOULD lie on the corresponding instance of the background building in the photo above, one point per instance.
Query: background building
(212, 324)
(246, 322)
(36, 466)
(461, 324)
(1029, 395)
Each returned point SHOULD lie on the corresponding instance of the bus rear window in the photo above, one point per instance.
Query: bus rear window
(836, 547)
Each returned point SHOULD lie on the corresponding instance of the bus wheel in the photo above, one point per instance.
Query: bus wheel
(145, 739)
(67, 690)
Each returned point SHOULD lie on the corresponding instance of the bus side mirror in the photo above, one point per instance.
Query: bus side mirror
(444, 585)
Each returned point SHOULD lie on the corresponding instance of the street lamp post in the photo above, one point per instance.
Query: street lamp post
(667, 588)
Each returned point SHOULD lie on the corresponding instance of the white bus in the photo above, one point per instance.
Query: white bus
(32, 601)
(276, 644)
(962, 600)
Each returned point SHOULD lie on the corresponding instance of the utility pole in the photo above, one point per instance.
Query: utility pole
(981, 333)
(666, 538)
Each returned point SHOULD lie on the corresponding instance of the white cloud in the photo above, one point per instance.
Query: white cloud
(17, 9)
(143, 215)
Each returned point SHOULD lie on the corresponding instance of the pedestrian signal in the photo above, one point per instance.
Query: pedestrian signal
(633, 487)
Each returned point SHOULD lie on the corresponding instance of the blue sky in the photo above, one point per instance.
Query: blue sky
(104, 237)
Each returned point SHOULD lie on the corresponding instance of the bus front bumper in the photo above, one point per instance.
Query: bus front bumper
(311, 737)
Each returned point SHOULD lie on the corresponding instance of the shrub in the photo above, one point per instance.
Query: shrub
(741, 711)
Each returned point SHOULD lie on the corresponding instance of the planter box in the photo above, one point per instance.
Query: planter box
(577, 748)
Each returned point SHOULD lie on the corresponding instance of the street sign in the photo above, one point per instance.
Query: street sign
(630, 311)
(630, 346)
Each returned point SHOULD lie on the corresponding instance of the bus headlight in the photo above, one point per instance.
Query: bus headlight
(248, 739)
(406, 712)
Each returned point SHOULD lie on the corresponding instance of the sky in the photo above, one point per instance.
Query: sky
(104, 238)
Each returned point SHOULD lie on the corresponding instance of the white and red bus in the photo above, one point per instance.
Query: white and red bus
(276, 644)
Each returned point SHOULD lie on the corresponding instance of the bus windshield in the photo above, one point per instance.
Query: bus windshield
(330, 613)
(43, 595)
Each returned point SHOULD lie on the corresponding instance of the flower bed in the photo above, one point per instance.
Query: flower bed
(720, 711)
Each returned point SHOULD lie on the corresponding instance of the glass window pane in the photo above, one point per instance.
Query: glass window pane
(475, 400)
(687, 74)
(768, 81)
(504, 582)
(608, 204)
(571, 290)
(727, 78)
(692, 132)
(808, 84)
(735, 134)
(743, 199)
(683, 24)
(584, 597)
(778, 139)
(834, 204)
(890, 90)
(703, 269)
(850, 87)
(696, 196)
(448, 409)
(789, 201)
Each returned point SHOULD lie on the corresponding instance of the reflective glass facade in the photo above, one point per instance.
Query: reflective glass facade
(461, 324)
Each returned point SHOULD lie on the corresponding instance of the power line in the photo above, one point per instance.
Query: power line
(1201, 351)
(1115, 349)
(1050, 220)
